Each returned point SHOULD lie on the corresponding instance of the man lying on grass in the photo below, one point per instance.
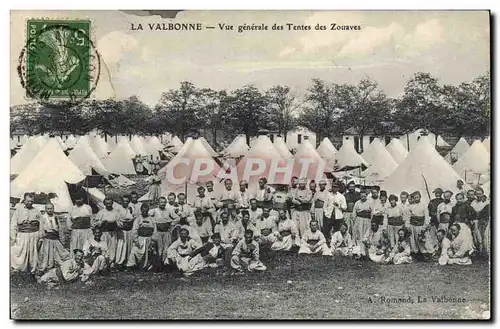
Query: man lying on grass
(69, 271)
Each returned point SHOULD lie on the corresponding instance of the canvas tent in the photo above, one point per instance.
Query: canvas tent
(458, 150)
(120, 159)
(237, 148)
(208, 147)
(183, 166)
(441, 142)
(71, 142)
(486, 144)
(262, 150)
(397, 150)
(474, 163)
(27, 152)
(422, 170)
(381, 164)
(280, 145)
(326, 149)
(176, 144)
(99, 146)
(138, 146)
(153, 146)
(49, 172)
(347, 158)
(84, 157)
(307, 155)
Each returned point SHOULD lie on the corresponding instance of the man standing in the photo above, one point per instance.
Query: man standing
(419, 222)
(433, 206)
(443, 212)
(246, 255)
(339, 206)
(107, 219)
(302, 201)
(205, 205)
(163, 218)
(25, 231)
(227, 231)
(292, 190)
(79, 218)
(185, 210)
(351, 197)
(134, 203)
(125, 225)
(244, 195)
(254, 211)
(263, 194)
(51, 252)
(245, 225)
(319, 199)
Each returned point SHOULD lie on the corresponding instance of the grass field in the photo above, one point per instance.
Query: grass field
(294, 287)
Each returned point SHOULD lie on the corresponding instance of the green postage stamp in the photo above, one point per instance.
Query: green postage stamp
(59, 62)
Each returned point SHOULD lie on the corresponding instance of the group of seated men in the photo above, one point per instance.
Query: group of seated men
(235, 224)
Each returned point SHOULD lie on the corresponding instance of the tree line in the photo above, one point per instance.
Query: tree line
(327, 109)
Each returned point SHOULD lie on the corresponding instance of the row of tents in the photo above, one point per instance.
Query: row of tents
(43, 166)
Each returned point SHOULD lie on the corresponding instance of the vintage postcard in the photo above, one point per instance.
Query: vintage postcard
(173, 164)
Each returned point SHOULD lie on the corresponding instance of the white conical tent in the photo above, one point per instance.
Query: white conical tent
(237, 148)
(441, 142)
(486, 144)
(138, 146)
(24, 139)
(176, 144)
(61, 143)
(307, 155)
(120, 159)
(48, 172)
(208, 147)
(27, 152)
(264, 151)
(153, 145)
(99, 146)
(475, 162)
(459, 149)
(84, 157)
(422, 170)
(326, 149)
(12, 144)
(370, 152)
(190, 165)
(347, 158)
(71, 142)
(397, 150)
(381, 164)
(280, 145)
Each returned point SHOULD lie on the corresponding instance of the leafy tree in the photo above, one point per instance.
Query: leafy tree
(247, 111)
(179, 109)
(364, 106)
(321, 112)
(214, 111)
(282, 106)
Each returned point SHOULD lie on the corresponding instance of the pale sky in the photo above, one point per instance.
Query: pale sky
(390, 47)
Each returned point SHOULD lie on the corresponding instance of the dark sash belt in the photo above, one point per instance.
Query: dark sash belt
(51, 235)
(444, 218)
(109, 226)
(319, 204)
(127, 225)
(279, 206)
(264, 203)
(313, 241)
(350, 206)
(417, 220)
(395, 221)
(379, 219)
(163, 227)
(265, 232)
(364, 214)
(285, 233)
(30, 227)
(145, 232)
(80, 223)
(303, 207)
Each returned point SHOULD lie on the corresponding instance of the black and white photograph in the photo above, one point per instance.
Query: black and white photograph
(250, 165)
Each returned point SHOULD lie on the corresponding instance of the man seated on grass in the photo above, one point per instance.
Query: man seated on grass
(202, 227)
(211, 254)
(246, 255)
(95, 254)
(461, 246)
(342, 243)
(69, 270)
(266, 225)
(245, 224)
(227, 230)
(286, 233)
(314, 242)
(181, 251)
